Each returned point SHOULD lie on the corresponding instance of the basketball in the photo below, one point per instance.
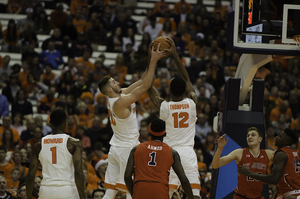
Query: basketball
(163, 43)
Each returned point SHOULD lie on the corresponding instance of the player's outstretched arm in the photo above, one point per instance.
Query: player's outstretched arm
(280, 159)
(34, 163)
(190, 90)
(129, 171)
(181, 175)
(136, 93)
(154, 97)
(77, 161)
(219, 161)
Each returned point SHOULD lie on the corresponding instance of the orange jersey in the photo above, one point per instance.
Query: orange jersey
(5, 170)
(153, 161)
(248, 186)
(289, 180)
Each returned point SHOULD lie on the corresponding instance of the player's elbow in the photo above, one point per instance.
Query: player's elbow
(215, 166)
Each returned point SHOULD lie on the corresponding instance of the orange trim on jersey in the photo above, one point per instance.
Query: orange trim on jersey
(109, 186)
(121, 187)
(195, 186)
(172, 186)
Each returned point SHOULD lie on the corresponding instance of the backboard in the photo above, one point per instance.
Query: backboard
(264, 27)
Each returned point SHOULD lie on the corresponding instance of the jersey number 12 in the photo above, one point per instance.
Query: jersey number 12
(181, 123)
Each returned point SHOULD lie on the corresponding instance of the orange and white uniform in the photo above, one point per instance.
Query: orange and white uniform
(126, 135)
(58, 168)
(247, 186)
(152, 163)
(180, 118)
(289, 183)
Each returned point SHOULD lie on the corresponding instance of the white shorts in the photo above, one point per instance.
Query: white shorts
(117, 162)
(189, 163)
(58, 192)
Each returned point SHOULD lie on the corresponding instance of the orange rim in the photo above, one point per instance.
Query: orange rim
(297, 38)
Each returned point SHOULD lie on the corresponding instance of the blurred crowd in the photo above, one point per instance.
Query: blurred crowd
(43, 81)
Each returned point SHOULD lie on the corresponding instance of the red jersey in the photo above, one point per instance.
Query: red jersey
(246, 185)
(290, 178)
(153, 161)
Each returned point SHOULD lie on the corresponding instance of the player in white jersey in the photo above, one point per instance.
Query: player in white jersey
(180, 117)
(122, 114)
(60, 156)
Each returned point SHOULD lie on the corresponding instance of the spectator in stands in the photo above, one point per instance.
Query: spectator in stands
(129, 39)
(160, 8)
(39, 123)
(145, 21)
(98, 193)
(196, 8)
(36, 137)
(97, 34)
(68, 31)
(271, 135)
(6, 125)
(130, 22)
(28, 36)
(33, 87)
(28, 19)
(180, 43)
(108, 18)
(4, 106)
(121, 69)
(78, 22)
(78, 46)
(182, 29)
(167, 30)
(29, 52)
(97, 7)
(94, 133)
(99, 71)
(48, 76)
(14, 6)
(8, 140)
(51, 56)
(87, 98)
(202, 127)
(22, 192)
(219, 8)
(80, 134)
(89, 66)
(5, 70)
(100, 168)
(217, 23)
(144, 134)
(114, 41)
(154, 28)
(17, 160)
(42, 25)
(293, 101)
(79, 87)
(28, 134)
(280, 124)
(47, 102)
(60, 43)
(21, 104)
(11, 37)
(66, 83)
(77, 4)
(17, 123)
(3, 186)
(179, 6)
(71, 125)
(58, 17)
(282, 109)
(82, 116)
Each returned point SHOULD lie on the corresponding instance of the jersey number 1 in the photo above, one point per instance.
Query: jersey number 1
(53, 150)
(180, 124)
(152, 160)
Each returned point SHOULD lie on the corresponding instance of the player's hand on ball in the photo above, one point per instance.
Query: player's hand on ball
(157, 54)
(172, 49)
(222, 141)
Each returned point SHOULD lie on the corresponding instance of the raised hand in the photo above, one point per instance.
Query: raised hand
(222, 142)
(172, 49)
(157, 54)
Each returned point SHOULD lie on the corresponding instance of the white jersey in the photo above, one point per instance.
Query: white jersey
(180, 118)
(126, 132)
(57, 161)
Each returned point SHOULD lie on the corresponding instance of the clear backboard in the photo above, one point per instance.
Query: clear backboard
(264, 27)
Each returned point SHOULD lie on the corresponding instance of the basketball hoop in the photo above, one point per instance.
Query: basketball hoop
(297, 39)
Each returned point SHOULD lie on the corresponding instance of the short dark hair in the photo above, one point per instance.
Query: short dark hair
(255, 129)
(20, 187)
(177, 86)
(58, 117)
(292, 134)
(102, 84)
(2, 148)
(157, 125)
(97, 190)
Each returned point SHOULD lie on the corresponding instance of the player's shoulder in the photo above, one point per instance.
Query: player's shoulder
(74, 141)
